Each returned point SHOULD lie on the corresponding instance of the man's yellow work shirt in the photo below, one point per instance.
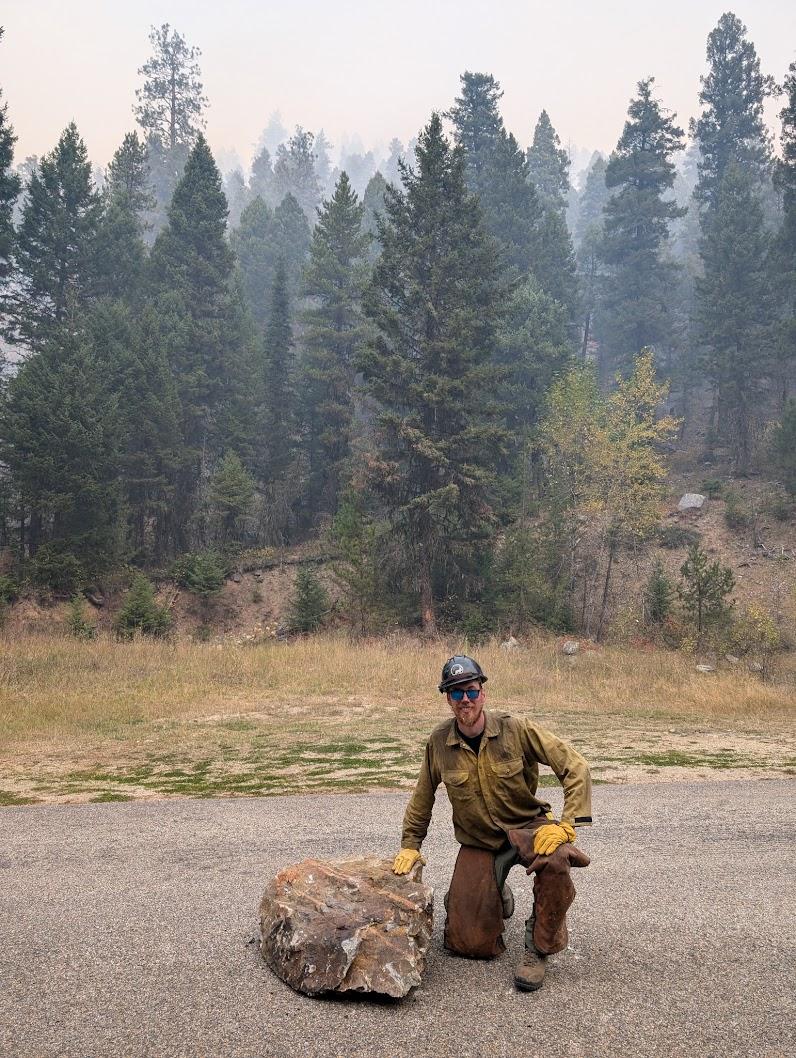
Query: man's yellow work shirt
(496, 790)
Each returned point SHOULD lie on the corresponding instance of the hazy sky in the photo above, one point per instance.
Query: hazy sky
(366, 66)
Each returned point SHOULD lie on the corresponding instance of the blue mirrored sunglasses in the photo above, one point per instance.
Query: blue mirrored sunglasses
(472, 694)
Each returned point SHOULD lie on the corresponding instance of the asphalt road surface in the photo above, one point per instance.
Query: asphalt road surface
(124, 930)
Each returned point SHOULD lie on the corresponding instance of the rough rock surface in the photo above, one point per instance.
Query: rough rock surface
(692, 501)
(347, 925)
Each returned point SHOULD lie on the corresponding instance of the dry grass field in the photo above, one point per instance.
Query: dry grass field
(107, 721)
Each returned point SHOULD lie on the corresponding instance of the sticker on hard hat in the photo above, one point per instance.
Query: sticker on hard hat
(457, 670)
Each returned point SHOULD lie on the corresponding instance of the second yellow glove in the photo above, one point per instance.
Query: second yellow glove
(548, 837)
(405, 861)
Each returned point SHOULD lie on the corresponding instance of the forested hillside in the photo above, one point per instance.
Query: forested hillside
(475, 382)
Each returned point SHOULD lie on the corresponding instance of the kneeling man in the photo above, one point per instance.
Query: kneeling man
(489, 762)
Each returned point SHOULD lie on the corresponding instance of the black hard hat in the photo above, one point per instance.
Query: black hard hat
(460, 669)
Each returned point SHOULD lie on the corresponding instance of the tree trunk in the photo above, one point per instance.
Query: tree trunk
(611, 550)
(428, 619)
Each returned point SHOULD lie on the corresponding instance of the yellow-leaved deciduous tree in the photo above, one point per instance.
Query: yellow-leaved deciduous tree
(606, 473)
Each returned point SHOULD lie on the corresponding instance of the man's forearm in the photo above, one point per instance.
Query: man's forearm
(418, 812)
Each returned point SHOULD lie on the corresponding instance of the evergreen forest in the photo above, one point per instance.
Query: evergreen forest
(462, 371)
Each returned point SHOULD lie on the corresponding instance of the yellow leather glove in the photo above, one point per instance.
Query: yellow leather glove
(405, 861)
(547, 838)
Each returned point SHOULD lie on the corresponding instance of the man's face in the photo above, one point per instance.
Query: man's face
(466, 712)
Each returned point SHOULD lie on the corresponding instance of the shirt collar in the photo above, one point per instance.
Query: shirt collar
(491, 729)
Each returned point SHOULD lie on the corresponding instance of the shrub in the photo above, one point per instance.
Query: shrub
(673, 536)
(737, 514)
(141, 612)
(783, 447)
(201, 572)
(712, 488)
(58, 570)
(755, 634)
(9, 589)
(309, 604)
(658, 594)
(76, 621)
(704, 589)
(778, 504)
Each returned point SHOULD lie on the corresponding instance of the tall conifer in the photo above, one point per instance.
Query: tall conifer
(734, 307)
(9, 189)
(731, 128)
(497, 172)
(640, 175)
(279, 413)
(436, 299)
(55, 244)
(548, 164)
(333, 335)
(204, 325)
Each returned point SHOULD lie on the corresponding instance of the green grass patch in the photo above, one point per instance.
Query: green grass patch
(675, 758)
(9, 799)
(108, 797)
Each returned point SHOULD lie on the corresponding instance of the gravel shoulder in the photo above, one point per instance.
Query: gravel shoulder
(126, 930)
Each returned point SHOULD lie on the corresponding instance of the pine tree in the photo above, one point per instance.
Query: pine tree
(497, 172)
(273, 134)
(294, 172)
(323, 162)
(9, 190)
(548, 165)
(261, 182)
(391, 167)
(204, 327)
(533, 349)
(373, 205)
(436, 299)
(658, 594)
(783, 447)
(55, 243)
(252, 243)
(783, 265)
(640, 172)
(237, 195)
(290, 240)
(731, 128)
(119, 251)
(334, 332)
(734, 307)
(704, 588)
(359, 571)
(231, 499)
(279, 412)
(588, 239)
(170, 110)
(310, 602)
(126, 344)
(128, 175)
(170, 104)
(140, 612)
(548, 171)
(58, 439)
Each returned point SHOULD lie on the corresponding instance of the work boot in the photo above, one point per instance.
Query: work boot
(508, 902)
(529, 975)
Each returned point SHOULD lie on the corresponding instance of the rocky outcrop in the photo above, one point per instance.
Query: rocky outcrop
(347, 925)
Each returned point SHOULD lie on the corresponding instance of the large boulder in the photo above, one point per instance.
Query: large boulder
(692, 501)
(347, 925)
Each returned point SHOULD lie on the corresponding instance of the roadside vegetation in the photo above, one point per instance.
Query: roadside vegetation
(108, 720)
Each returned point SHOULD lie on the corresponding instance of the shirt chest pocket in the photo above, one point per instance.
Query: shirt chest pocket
(507, 775)
(459, 789)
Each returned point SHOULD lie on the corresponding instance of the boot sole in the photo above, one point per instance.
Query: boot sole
(525, 987)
